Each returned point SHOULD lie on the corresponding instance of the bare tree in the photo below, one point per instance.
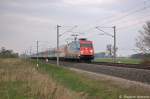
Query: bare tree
(143, 40)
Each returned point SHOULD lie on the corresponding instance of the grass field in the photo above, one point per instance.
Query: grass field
(22, 80)
(94, 89)
(120, 60)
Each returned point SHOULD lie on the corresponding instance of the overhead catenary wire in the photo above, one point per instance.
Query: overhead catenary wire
(139, 21)
(104, 32)
(114, 17)
(68, 30)
(130, 22)
(128, 14)
(135, 23)
(120, 18)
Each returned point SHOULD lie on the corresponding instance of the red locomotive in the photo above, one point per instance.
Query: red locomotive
(81, 49)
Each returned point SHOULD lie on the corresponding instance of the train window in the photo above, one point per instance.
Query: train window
(71, 46)
(77, 44)
(74, 46)
(86, 45)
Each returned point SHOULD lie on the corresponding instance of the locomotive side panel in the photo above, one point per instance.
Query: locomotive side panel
(73, 50)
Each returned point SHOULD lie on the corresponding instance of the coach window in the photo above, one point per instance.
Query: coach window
(70, 46)
(73, 46)
(77, 45)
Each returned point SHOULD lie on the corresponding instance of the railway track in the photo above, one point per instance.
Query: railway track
(137, 66)
(131, 73)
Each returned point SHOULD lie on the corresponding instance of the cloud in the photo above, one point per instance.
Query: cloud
(28, 20)
(90, 2)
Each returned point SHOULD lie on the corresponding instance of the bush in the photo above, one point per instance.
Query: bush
(146, 61)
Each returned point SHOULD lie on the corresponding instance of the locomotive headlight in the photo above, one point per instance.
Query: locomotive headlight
(81, 52)
(91, 51)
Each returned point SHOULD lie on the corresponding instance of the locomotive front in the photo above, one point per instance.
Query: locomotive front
(86, 49)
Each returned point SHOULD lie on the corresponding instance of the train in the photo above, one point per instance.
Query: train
(80, 49)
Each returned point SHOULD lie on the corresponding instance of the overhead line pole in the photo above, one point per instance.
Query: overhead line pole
(25, 55)
(58, 36)
(114, 44)
(37, 56)
(30, 53)
(58, 44)
(114, 37)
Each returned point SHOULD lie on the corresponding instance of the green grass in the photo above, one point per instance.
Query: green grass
(13, 79)
(120, 60)
(94, 88)
(12, 90)
(22, 80)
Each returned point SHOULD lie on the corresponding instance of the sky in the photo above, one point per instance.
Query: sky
(23, 22)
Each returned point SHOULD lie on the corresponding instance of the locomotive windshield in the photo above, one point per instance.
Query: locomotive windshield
(86, 45)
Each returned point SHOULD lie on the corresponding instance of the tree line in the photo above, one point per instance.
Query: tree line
(5, 53)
